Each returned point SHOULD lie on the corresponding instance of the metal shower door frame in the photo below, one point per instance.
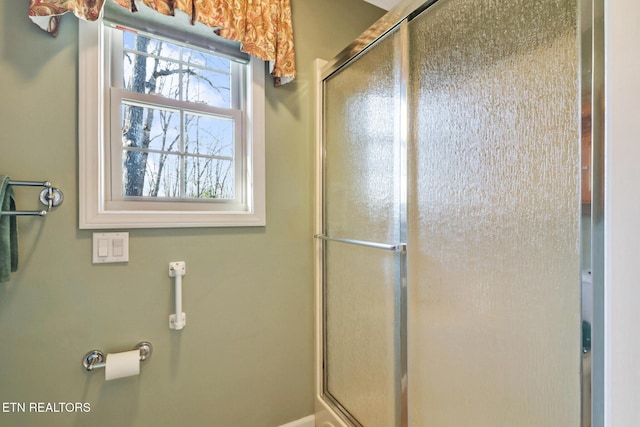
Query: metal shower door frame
(591, 45)
(399, 247)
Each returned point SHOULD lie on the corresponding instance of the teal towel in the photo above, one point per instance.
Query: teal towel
(8, 231)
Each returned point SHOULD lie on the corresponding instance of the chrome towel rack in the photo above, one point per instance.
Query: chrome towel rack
(397, 247)
(51, 197)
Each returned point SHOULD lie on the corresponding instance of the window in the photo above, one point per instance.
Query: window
(171, 133)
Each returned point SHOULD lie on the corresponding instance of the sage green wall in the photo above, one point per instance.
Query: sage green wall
(245, 358)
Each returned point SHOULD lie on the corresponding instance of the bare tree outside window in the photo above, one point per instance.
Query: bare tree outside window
(176, 152)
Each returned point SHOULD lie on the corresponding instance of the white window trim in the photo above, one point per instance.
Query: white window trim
(92, 105)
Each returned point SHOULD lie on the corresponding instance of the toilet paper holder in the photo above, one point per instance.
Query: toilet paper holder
(95, 358)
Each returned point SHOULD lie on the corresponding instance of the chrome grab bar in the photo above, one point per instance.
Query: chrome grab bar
(398, 247)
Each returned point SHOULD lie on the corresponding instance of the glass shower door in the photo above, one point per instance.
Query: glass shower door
(459, 133)
(494, 215)
(361, 235)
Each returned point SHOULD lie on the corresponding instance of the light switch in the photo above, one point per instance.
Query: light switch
(110, 247)
(118, 250)
(103, 247)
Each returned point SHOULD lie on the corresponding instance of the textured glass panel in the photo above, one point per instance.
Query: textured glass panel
(361, 135)
(494, 269)
(360, 329)
(362, 202)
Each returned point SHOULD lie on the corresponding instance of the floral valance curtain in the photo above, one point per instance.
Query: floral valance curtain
(263, 27)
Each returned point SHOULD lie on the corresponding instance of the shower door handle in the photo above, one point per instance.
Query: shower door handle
(398, 247)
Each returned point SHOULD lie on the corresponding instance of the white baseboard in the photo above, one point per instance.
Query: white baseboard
(309, 421)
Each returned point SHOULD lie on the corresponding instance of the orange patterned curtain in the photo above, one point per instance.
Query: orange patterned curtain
(46, 13)
(263, 27)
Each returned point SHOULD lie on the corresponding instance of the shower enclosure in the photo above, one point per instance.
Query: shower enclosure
(460, 212)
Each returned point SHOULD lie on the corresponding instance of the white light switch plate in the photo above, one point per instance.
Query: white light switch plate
(110, 247)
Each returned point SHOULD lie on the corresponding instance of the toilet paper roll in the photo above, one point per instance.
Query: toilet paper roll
(120, 365)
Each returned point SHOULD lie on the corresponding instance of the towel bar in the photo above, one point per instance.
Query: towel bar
(50, 197)
(398, 247)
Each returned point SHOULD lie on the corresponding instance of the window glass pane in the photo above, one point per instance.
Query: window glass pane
(128, 39)
(144, 44)
(150, 128)
(145, 74)
(208, 87)
(178, 151)
(205, 60)
(160, 176)
(209, 135)
(209, 178)
(138, 185)
(158, 67)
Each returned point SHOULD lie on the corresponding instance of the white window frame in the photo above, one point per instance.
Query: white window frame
(98, 211)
